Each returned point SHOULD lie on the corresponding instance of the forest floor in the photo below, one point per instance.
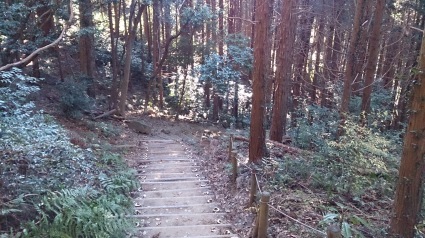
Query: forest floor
(297, 209)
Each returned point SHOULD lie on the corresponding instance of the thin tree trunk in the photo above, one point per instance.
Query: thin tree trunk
(317, 72)
(114, 54)
(156, 50)
(221, 28)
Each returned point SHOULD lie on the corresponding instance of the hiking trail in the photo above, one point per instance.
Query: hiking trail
(175, 199)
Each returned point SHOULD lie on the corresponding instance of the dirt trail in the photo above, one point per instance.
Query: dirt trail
(175, 199)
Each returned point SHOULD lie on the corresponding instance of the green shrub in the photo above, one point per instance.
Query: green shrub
(44, 173)
(362, 159)
(74, 99)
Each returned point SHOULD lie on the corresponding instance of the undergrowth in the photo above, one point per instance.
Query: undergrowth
(48, 186)
(352, 173)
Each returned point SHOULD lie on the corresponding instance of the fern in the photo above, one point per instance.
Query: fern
(82, 212)
(12, 206)
(123, 182)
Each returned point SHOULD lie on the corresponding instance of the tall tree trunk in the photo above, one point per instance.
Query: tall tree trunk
(133, 22)
(86, 48)
(213, 27)
(361, 50)
(317, 72)
(262, 28)
(283, 69)
(86, 43)
(349, 69)
(328, 62)
(221, 28)
(305, 26)
(156, 50)
(231, 17)
(114, 54)
(409, 191)
(373, 49)
(148, 35)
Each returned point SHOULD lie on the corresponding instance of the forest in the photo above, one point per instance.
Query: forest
(328, 95)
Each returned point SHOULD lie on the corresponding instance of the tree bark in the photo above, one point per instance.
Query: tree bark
(317, 72)
(373, 49)
(114, 54)
(305, 26)
(262, 28)
(349, 69)
(283, 75)
(86, 43)
(408, 198)
(221, 28)
(131, 34)
(156, 50)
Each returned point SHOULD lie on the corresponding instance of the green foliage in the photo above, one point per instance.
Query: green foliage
(44, 173)
(20, 31)
(196, 17)
(221, 70)
(10, 207)
(240, 52)
(74, 99)
(362, 159)
(104, 129)
(81, 212)
(123, 182)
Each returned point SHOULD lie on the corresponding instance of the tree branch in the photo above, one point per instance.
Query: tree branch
(37, 51)
(165, 53)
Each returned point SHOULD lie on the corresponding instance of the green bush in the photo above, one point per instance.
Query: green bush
(74, 99)
(362, 159)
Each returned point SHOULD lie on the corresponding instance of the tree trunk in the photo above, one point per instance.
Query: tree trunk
(216, 107)
(221, 28)
(132, 26)
(114, 55)
(349, 69)
(262, 28)
(317, 72)
(328, 64)
(373, 49)
(231, 17)
(46, 24)
(283, 75)
(156, 50)
(360, 57)
(86, 43)
(408, 198)
(305, 26)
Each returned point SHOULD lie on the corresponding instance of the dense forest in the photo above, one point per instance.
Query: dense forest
(340, 80)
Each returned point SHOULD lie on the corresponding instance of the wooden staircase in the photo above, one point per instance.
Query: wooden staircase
(175, 198)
